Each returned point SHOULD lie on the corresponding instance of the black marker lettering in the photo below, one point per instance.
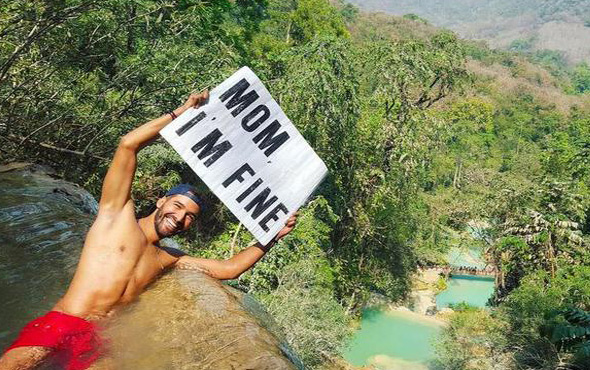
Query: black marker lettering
(272, 215)
(237, 100)
(261, 203)
(209, 147)
(249, 190)
(250, 116)
(187, 126)
(269, 140)
(238, 175)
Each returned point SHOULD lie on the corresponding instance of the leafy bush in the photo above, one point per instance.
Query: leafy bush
(581, 78)
(569, 329)
(530, 310)
(473, 340)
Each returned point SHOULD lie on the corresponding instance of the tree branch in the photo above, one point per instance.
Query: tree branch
(18, 139)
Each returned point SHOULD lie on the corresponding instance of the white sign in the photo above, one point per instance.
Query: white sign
(249, 154)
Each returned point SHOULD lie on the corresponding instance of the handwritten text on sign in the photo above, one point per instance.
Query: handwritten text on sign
(248, 152)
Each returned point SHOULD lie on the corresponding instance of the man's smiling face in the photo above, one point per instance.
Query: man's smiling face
(174, 214)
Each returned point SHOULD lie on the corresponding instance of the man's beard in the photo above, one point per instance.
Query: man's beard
(162, 227)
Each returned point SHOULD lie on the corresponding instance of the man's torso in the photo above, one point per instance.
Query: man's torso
(116, 264)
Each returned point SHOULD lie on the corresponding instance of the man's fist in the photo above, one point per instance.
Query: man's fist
(196, 100)
(193, 101)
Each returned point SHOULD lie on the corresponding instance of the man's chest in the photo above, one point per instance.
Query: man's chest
(150, 266)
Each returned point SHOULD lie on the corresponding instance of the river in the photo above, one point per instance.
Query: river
(473, 290)
(391, 339)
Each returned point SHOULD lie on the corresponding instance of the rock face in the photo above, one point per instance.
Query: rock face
(422, 299)
(186, 320)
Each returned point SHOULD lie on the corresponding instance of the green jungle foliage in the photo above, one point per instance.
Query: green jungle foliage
(422, 133)
(572, 332)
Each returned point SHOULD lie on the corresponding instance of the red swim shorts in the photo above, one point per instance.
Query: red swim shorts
(75, 341)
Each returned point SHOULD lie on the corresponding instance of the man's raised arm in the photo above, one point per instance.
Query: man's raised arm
(116, 189)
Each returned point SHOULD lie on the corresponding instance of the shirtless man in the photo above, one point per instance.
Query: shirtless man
(121, 256)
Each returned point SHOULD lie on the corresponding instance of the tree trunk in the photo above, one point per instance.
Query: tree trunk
(288, 38)
(234, 239)
(457, 175)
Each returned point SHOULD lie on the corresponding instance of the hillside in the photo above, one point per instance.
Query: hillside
(492, 70)
(562, 26)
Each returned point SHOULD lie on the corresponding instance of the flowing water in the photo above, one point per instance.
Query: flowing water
(42, 225)
(186, 320)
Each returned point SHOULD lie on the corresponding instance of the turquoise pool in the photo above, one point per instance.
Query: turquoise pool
(473, 290)
(399, 340)
(393, 340)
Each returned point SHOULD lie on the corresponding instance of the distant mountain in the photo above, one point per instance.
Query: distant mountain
(526, 25)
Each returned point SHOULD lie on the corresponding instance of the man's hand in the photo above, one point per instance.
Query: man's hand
(193, 101)
(289, 225)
